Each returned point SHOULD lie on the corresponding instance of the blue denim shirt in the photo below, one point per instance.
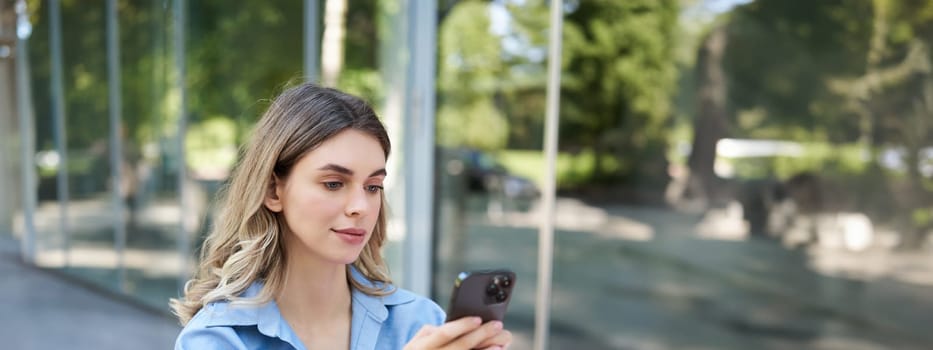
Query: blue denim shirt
(387, 322)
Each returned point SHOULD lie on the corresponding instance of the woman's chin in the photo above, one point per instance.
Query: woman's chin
(349, 259)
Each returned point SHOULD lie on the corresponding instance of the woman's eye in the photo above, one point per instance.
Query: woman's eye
(374, 188)
(333, 185)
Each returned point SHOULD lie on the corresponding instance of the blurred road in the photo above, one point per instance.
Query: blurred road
(40, 309)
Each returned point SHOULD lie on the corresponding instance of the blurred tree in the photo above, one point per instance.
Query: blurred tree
(618, 79)
(778, 58)
(266, 43)
(617, 85)
(84, 63)
(821, 72)
(711, 120)
(219, 84)
(360, 73)
(512, 80)
(470, 70)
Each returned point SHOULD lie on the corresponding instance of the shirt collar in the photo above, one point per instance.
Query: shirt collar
(377, 305)
(268, 318)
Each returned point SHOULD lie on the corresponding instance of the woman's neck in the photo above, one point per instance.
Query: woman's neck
(315, 292)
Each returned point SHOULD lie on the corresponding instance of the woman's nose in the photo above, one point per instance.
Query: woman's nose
(358, 203)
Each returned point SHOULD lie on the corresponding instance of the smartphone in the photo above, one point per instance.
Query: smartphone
(483, 293)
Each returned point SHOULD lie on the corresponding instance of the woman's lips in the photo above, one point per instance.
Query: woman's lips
(351, 231)
(352, 236)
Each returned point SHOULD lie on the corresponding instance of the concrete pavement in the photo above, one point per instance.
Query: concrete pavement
(40, 309)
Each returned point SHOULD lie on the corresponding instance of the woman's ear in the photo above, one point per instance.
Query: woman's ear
(272, 199)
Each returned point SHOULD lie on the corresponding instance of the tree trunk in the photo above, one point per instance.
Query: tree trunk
(335, 13)
(710, 123)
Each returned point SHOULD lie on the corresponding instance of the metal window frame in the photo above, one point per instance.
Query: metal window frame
(27, 131)
(114, 98)
(546, 230)
(418, 147)
(184, 236)
(58, 125)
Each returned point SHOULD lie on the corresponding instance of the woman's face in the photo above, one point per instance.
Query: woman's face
(332, 198)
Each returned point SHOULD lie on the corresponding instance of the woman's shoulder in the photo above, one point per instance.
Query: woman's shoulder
(200, 333)
(221, 324)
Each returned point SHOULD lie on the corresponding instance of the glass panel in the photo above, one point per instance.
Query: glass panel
(149, 159)
(744, 175)
(50, 241)
(86, 249)
(10, 183)
(228, 88)
(90, 211)
(490, 117)
(222, 95)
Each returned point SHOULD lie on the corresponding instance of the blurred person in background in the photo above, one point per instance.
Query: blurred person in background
(294, 260)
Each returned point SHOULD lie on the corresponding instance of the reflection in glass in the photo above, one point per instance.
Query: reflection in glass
(744, 176)
(227, 89)
(490, 116)
(149, 189)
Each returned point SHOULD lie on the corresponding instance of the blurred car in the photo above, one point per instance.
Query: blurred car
(486, 175)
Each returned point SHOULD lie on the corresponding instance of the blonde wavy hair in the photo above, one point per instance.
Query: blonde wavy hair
(246, 242)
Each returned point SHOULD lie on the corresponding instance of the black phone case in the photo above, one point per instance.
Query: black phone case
(470, 297)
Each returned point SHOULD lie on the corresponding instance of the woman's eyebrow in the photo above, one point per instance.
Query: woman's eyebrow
(336, 168)
(348, 172)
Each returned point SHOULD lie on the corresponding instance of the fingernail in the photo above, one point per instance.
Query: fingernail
(477, 320)
(497, 325)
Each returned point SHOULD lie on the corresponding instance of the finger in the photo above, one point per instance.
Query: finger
(425, 331)
(446, 333)
(473, 339)
(502, 339)
(416, 342)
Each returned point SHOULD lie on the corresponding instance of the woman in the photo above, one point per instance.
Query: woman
(294, 260)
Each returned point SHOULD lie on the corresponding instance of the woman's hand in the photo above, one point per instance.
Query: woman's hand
(465, 333)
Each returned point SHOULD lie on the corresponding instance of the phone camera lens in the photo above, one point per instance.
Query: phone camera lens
(501, 296)
(492, 289)
(503, 281)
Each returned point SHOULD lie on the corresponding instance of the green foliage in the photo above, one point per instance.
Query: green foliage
(923, 217)
(847, 78)
(360, 75)
(779, 55)
(478, 125)
(211, 146)
(366, 83)
(618, 82)
(238, 54)
(230, 63)
(469, 73)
